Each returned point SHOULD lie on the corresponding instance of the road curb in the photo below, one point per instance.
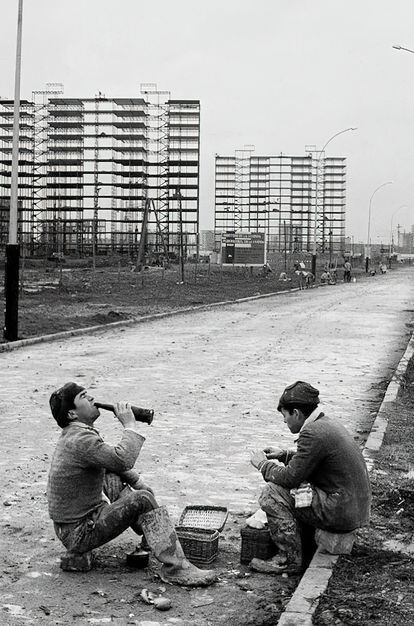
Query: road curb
(379, 427)
(76, 332)
(305, 600)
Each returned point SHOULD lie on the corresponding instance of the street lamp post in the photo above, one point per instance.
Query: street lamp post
(391, 246)
(11, 273)
(402, 48)
(315, 218)
(368, 249)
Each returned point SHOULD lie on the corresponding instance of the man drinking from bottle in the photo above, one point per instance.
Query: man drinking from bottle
(94, 494)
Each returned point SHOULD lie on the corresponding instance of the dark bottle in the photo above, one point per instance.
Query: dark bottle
(141, 415)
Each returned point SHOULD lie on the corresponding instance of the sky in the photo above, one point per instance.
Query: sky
(276, 74)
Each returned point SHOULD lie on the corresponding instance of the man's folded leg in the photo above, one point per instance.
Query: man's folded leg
(279, 505)
(107, 522)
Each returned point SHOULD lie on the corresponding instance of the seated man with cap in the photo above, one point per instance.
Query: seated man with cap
(84, 468)
(324, 484)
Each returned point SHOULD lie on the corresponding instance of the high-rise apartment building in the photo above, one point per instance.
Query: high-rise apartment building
(277, 195)
(91, 169)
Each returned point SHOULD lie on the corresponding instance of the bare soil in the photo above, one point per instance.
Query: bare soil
(375, 584)
(58, 298)
(36, 591)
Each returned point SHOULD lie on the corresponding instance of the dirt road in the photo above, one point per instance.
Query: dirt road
(213, 379)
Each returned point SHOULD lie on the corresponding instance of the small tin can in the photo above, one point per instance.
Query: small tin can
(303, 496)
(138, 559)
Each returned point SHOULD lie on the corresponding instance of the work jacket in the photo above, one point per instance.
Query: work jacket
(329, 459)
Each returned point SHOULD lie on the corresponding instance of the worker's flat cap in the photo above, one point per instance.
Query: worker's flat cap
(61, 401)
(298, 393)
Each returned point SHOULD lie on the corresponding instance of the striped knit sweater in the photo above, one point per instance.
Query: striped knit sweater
(78, 466)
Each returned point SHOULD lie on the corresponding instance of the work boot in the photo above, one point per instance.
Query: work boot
(165, 546)
(276, 565)
(76, 562)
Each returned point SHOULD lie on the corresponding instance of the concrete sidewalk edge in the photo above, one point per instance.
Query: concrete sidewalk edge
(314, 582)
(76, 332)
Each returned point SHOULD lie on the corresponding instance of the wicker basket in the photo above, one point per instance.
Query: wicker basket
(256, 543)
(200, 545)
(205, 517)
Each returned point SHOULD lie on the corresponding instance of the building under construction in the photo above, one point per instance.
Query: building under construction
(277, 195)
(94, 173)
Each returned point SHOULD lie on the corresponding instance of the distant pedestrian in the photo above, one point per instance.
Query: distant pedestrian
(325, 277)
(333, 278)
(347, 272)
(309, 279)
(301, 279)
(266, 270)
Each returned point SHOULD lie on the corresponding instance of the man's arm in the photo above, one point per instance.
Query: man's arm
(279, 454)
(301, 464)
(93, 451)
(134, 480)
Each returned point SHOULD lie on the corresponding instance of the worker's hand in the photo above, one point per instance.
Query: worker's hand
(257, 458)
(273, 452)
(141, 486)
(125, 415)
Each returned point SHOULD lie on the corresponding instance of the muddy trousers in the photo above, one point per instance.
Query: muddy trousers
(110, 519)
(291, 529)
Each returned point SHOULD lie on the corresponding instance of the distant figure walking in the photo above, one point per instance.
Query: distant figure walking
(347, 272)
(304, 280)
(301, 280)
(309, 279)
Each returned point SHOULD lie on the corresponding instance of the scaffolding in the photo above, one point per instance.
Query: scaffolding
(157, 189)
(42, 227)
(25, 167)
(93, 163)
(276, 195)
(242, 190)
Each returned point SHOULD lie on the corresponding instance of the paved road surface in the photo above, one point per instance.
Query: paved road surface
(213, 379)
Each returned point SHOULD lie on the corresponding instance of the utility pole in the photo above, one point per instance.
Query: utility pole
(11, 274)
(97, 188)
(330, 248)
(143, 235)
(180, 218)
